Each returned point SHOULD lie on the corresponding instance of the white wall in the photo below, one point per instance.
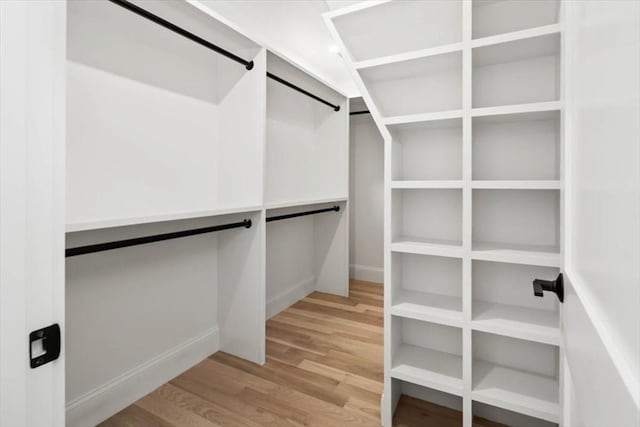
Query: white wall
(601, 318)
(366, 181)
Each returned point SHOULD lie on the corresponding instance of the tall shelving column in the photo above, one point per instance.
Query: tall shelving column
(467, 97)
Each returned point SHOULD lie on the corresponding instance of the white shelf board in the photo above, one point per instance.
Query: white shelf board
(517, 35)
(422, 117)
(515, 390)
(294, 203)
(533, 107)
(517, 322)
(428, 368)
(357, 7)
(121, 222)
(416, 245)
(441, 309)
(427, 184)
(545, 256)
(516, 185)
(407, 56)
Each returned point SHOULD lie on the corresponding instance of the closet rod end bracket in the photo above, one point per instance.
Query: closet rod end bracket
(249, 65)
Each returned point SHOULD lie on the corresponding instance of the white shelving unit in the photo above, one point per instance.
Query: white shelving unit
(167, 135)
(306, 169)
(468, 102)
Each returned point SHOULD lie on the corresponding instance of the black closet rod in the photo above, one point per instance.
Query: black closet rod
(184, 33)
(107, 246)
(299, 89)
(297, 214)
(357, 113)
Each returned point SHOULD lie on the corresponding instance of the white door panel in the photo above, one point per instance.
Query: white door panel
(602, 219)
(32, 54)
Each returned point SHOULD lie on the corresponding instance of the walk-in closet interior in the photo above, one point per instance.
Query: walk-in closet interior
(320, 213)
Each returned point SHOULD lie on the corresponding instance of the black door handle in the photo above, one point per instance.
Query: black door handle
(555, 286)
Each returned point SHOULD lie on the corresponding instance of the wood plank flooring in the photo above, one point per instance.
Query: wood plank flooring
(324, 368)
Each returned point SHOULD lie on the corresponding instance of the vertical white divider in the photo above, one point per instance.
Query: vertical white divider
(467, 293)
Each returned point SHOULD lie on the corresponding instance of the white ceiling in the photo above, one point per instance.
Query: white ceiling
(293, 28)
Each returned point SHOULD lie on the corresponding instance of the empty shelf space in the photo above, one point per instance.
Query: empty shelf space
(442, 309)
(517, 185)
(517, 72)
(416, 245)
(516, 390)
(425, 25)
(490, 17)
(515, 321)
(548, 256)
(426, 184)
(426, 85)
(428, 368)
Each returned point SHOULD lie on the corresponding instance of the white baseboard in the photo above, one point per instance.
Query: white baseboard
(366, 273)
(287, 298)
(102, 402)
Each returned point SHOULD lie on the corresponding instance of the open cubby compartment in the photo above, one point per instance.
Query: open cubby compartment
(504, 303)
(429, 150)
(425, 85)
(213, 283)
(307, 141)
(426, 287)
(426, 354)
(491, 17)
(521, 220)
(306, 254)
(522, 146)
(425, 24)
(506, 417)
(157, 125)
(424, 398)
(517, 375)
(426, 218)
(517, 72)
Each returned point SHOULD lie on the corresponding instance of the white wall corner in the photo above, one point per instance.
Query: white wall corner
(366, 273)
(115, 395)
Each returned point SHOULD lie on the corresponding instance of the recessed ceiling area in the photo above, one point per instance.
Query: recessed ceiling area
(295, 29)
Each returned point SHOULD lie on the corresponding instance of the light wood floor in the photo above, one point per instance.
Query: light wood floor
(324, 368)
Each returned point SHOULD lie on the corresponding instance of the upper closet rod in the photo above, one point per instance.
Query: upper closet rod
(154, 18)
(299, 89)
(336, 208)
(100, 247)
(356, 113)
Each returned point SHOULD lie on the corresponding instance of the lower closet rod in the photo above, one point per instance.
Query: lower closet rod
(99, 247)
(297, 214)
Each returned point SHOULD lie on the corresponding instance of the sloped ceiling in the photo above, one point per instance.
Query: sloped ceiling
(294, 28)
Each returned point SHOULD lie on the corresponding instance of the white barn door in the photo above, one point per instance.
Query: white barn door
(601, 315)
(32, 118)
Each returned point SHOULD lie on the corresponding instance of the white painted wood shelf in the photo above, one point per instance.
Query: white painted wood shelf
(429, 368)
(516, 185)
(307, 202)
(516, 321)
(422, 117)
(407, 56)
(415, 245)
(441, 309)
(122, 222)
(518, 254)
(426, 184)
(515, 390)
